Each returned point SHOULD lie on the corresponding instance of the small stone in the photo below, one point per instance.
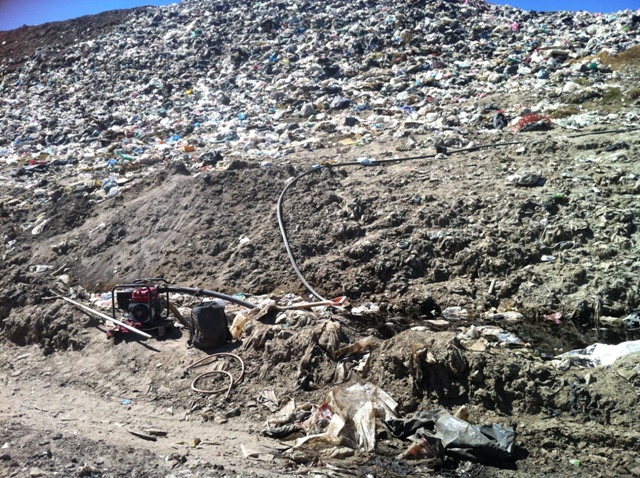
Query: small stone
(234, 412)
(86, 470)
(431, 117)
(208, 416)
(307, 110)
(219, 419)
(65, 279)
(525, 179)
(452, 120)
(529, 179)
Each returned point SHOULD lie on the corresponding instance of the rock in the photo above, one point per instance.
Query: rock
(431, 117)
(452, 120)
(86, 470)
(65, 279)
(530, 178)
(307, 110)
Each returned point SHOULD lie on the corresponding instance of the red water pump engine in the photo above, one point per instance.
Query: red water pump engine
(142, 304)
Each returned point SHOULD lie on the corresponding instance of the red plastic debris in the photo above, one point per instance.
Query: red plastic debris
(530, 119)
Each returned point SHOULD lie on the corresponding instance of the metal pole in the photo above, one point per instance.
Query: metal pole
(104, 316)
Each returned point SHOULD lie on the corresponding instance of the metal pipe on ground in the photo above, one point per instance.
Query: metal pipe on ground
(96, 313)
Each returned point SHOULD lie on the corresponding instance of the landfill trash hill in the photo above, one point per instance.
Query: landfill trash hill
(474, 194)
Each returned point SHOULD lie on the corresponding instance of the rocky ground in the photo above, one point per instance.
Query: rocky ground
(156, 142)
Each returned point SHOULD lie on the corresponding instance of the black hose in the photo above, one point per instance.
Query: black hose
(610, 131)
(283, 231)
(210, 293)
(383, 162)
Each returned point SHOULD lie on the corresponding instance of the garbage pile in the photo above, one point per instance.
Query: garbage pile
(354, 414)
(469, 275)
(202, 83)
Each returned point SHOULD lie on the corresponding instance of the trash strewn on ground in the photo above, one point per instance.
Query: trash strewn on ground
(448, 286)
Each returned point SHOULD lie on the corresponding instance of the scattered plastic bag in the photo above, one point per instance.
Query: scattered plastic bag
(481, 443)
(450, 435)
(241, 320)
(632, 321)
(601, 354)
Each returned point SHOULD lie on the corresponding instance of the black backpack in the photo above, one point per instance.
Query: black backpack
(209, 328)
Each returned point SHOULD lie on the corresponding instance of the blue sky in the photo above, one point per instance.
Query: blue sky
(15, 13)
(602, 6)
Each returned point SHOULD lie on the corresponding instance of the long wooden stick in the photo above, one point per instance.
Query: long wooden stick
(104, 316)
(177, 313)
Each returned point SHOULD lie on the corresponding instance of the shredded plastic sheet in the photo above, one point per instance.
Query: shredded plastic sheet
(241, 320)
(479, 443)
(601, 354)
(356, 407)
